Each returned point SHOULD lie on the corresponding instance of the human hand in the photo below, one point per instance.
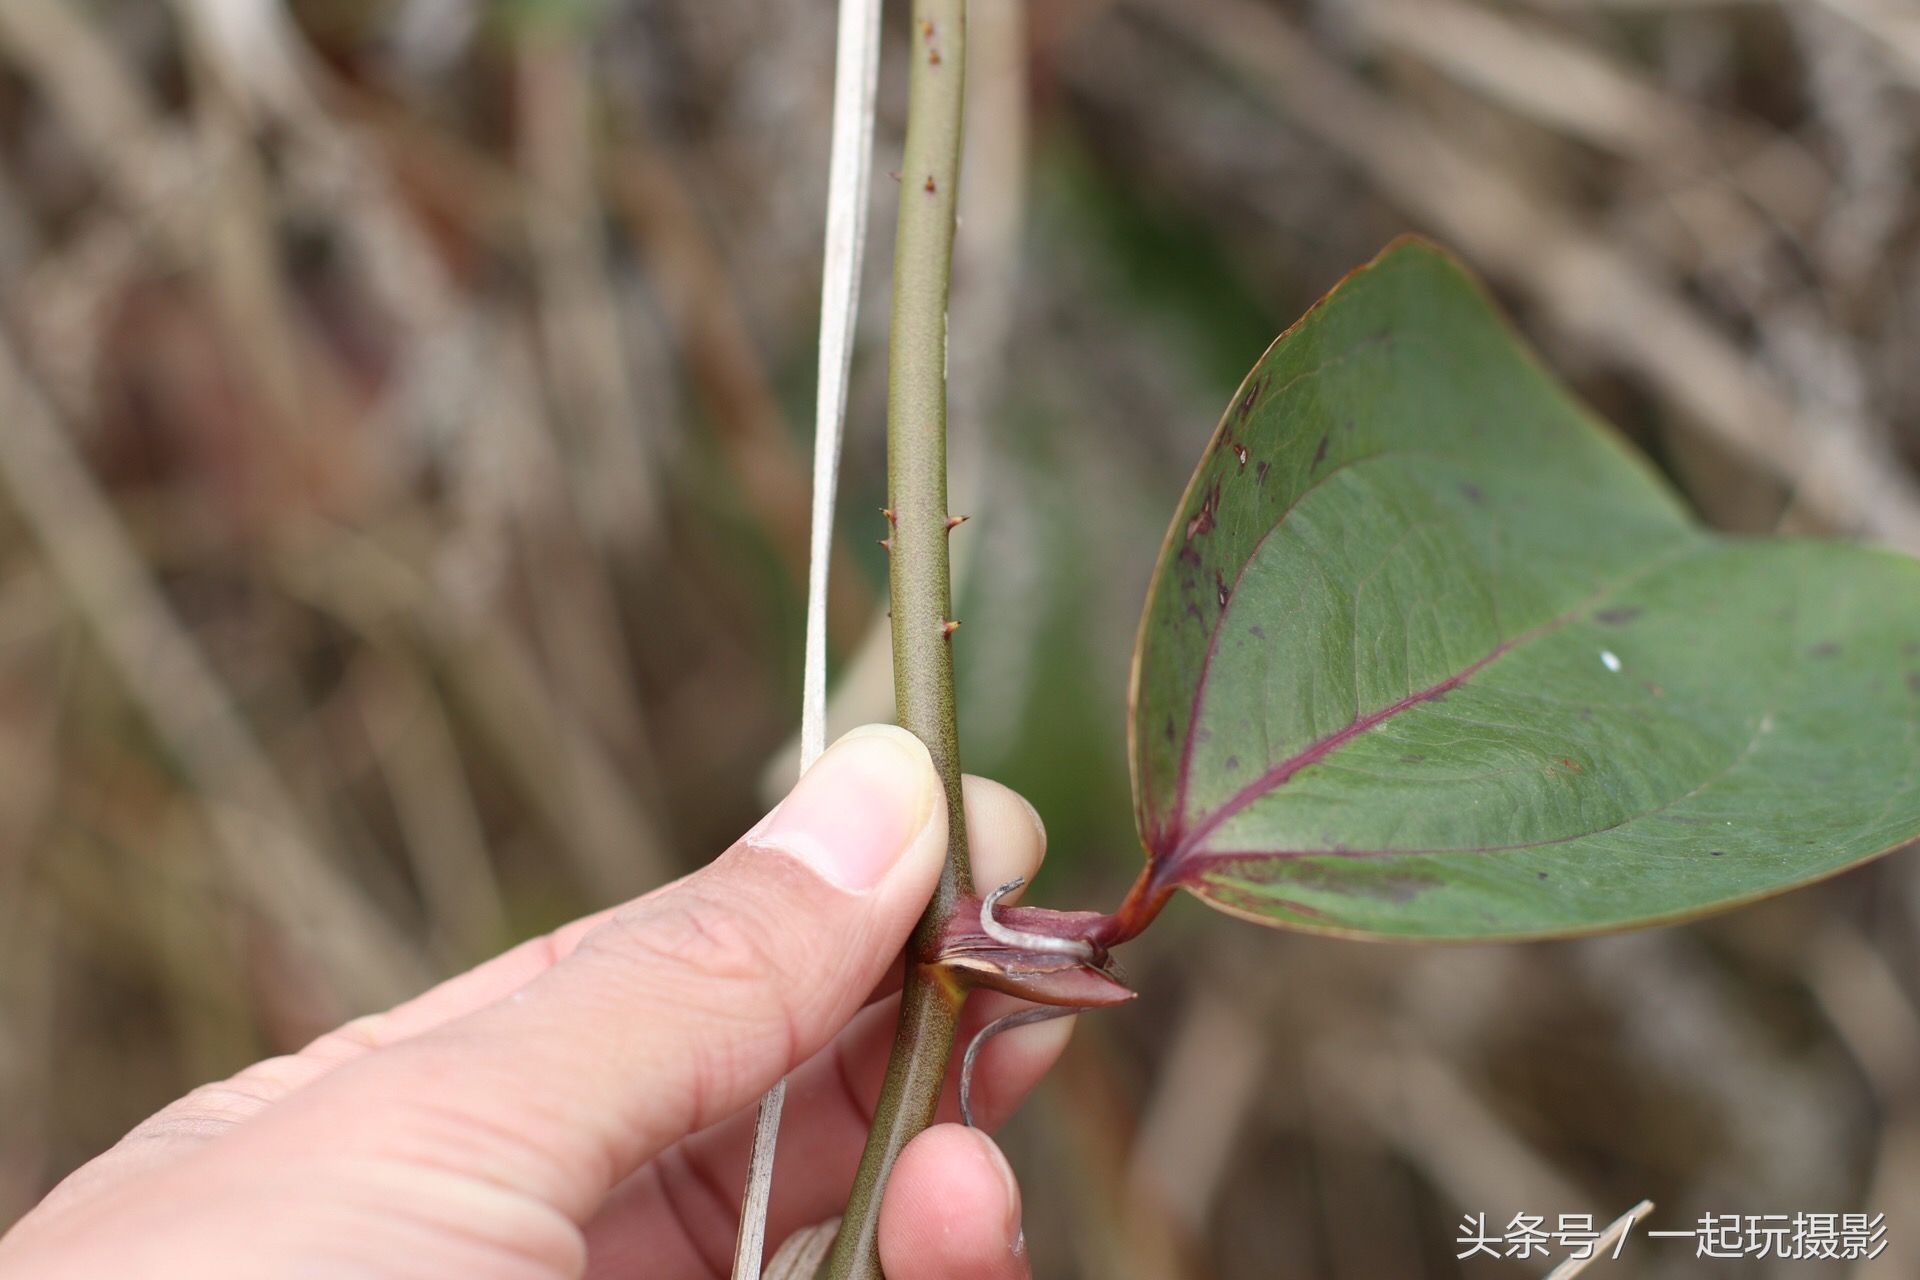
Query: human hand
(582, 1105)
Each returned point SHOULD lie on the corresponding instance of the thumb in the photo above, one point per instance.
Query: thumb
(680, 1009)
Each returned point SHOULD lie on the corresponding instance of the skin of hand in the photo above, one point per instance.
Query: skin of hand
(583, 1104)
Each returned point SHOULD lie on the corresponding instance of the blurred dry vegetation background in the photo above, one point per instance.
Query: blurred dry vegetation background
(403, 416)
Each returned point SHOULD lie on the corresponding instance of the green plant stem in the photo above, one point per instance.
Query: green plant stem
(921, 591)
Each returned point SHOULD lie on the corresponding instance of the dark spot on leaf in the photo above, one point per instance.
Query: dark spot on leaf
(1190, 556)
(1541, 874)
(1220, 588)
(1193, 611)
(1240, 452)
(1716, 853)
(1202, 522)
(1168, 731)
(1259, 632)
(1618, 617)
(1233, 762)
(1320, 453)
(1260, 472)
(1825, 649)
(1252, 398)
(1473, 493)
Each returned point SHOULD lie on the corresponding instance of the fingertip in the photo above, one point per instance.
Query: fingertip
(952, 1210)
(864, 808)
(1005, 837)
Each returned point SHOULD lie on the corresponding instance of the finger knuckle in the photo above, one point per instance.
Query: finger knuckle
(711, 943)
(718, 954)
(716, 962)
(211, 1110)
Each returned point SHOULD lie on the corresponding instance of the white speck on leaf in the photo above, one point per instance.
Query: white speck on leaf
(1610, 659)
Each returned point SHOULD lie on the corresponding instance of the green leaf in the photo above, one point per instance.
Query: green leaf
(1431, 653)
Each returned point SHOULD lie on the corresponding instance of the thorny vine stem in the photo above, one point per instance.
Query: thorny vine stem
(921, 592)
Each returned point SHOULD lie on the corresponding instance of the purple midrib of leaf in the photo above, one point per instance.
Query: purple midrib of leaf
(1182, 845)
(1172, 836)
(1186, 843)
(1216, 856)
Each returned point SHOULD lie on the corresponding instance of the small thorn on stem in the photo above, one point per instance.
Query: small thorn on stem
(954, 522)
(886, 544)
(888, 513)
(950, 626)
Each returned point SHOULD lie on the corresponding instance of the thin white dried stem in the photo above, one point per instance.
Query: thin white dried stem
(856, 78)
(751, 1244)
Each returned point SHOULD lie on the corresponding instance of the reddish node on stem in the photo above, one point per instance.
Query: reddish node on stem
(930, 188)
(1142, 904)
(1044, 956)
